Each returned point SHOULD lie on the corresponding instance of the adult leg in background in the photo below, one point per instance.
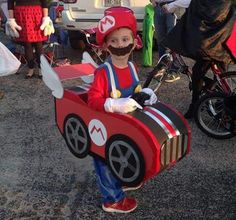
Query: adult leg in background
(199, 70)
(29, 54)
(38, 50)
(164, 22)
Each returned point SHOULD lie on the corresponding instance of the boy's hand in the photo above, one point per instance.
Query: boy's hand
(121, 105)
(153, 97)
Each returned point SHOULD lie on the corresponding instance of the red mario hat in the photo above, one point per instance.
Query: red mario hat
(115, 17)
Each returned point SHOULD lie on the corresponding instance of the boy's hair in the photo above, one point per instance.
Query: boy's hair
(115, 17)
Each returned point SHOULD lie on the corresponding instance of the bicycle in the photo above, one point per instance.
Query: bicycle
(169, 62)
(98, 55)
(212, 118)
(210, 103)
(209, 113)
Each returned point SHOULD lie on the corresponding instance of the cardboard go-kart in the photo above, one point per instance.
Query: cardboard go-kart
(136, 146)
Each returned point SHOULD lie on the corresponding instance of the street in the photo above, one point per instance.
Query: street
(41, 179)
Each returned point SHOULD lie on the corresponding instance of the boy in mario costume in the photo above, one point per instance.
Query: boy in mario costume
(114, 83)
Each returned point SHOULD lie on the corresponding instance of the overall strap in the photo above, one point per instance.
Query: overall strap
(111, 78)
(113, 82)
(133, 72)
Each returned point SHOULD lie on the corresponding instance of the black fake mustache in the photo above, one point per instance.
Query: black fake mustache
(121, 51)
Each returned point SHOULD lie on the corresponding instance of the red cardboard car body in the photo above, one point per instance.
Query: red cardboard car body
(137, 146)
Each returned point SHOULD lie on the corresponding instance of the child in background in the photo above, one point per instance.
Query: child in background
(29, 24)
(115, 81)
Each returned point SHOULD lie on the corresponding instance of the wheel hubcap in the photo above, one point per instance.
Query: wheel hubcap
(124, 161)
(76, 135)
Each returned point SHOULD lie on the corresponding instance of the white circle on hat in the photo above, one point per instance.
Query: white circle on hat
(106, 23)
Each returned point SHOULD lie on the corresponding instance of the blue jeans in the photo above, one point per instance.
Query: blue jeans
(164, 22)
(109, 185)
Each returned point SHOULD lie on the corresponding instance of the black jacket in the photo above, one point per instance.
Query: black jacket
(203, 30)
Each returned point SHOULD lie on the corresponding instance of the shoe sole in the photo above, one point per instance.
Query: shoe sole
(132, 188)
(116, 210)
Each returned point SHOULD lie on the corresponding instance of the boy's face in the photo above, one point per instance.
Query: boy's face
(120, 42)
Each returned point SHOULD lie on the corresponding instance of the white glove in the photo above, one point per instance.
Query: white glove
(153, 97)
(121, 105)
(12, 28)
(47, 26)
(173, 6)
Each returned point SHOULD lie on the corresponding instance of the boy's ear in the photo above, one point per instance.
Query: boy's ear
(104, 46)
(135, 43)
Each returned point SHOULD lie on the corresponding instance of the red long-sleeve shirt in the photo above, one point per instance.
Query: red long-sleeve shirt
(99, 90)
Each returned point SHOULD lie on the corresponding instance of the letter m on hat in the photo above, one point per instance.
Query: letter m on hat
(106, 23)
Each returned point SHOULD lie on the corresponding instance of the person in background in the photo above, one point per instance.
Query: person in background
(172, 7)
(29, 24)
(164, 22)
(116, 33)
(201, 34)
(147, 35)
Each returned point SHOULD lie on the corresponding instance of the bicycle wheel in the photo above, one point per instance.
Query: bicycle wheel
(209, 116)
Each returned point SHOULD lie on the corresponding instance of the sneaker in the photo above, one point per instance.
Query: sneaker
(171, 77)
(40, 74)
(131, 188)
(160, 73)
(126, 205)
(29, 74)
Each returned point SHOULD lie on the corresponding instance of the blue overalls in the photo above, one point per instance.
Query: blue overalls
(109, 185)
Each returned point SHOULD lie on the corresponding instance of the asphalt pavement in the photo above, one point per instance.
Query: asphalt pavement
(41, 179)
